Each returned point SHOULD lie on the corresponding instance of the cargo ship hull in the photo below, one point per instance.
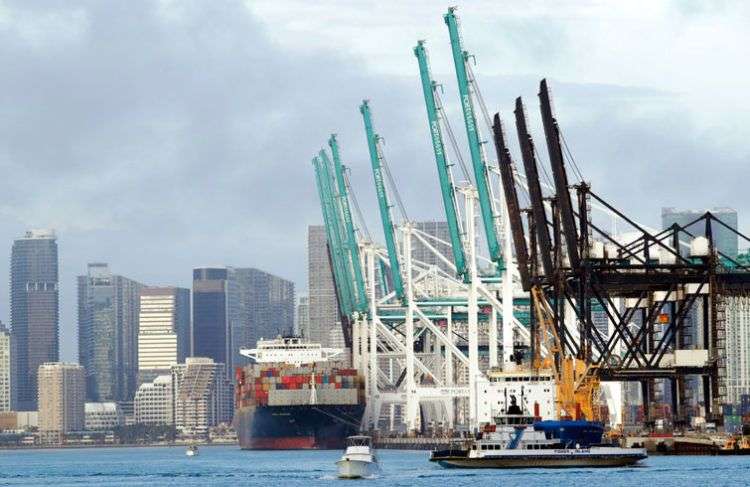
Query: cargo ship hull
(294, 397)
(296, 427)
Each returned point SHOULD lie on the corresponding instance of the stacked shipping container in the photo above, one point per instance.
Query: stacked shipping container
(282, 386)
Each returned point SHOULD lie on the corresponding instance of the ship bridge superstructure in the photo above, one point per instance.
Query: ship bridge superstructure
(291, 351)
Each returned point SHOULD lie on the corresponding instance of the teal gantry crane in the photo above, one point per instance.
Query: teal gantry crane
(342, 195)
(479, 164)
(443, 166)
(376, 160)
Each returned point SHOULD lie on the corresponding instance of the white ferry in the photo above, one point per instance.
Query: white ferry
(519, 441)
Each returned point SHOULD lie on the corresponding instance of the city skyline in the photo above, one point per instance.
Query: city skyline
(157, 148)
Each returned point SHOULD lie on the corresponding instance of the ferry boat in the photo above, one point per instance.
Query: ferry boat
(296, 395)
(359, 460)
(516, 440)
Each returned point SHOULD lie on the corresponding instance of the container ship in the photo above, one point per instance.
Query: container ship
(294, 396)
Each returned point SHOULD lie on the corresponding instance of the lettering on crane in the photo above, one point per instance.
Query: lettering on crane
(436, 143)
(469, 113)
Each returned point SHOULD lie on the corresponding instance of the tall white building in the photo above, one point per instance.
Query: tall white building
(163, 334)
(61, 398)
(202, 395)
(323, 306)
(5, 369)
(154, 402)
(737, 347)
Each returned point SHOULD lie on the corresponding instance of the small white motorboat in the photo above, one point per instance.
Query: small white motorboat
(192, 450)
(359, 460)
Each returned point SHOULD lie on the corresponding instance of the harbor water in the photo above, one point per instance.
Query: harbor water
(230, 466)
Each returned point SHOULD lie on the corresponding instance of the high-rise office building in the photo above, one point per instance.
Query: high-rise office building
(737, 347)
(62, 396)
(34, 315)
(6, 367)
(323, 305)
(164, 330)
(108, 333)
(725, 239)
(440, 241)
(233, 307)
(266, 306)
(202, 395)
(215, 308)
(302, 318)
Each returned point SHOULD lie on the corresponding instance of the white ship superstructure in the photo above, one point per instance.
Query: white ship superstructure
(289, 350)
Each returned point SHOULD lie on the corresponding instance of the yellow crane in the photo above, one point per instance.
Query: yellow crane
(577, 381)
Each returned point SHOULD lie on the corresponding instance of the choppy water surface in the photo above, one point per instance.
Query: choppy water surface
(229, 466)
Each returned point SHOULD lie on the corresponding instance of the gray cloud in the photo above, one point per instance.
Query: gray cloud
(159, 136)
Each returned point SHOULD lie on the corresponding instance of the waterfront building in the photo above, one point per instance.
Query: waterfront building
(302, 317)
(108, 333)
(61, 399)
(267, 307)
(323, 305)
(102, 416)
(737, 347)
(154, 402)
(164, 330)
(34, 303)
(6, 357)
(202, 396)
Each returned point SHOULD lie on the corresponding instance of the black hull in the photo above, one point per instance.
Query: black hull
(296, 427)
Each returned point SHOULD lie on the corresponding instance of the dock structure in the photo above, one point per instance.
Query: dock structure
(525, 284)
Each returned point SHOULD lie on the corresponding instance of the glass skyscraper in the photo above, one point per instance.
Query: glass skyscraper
(234, 307)
(108, 334)
(34, 315)
(214, 306)
(726, 240)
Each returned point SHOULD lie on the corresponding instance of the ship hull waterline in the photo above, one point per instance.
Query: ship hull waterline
(562, 461)
(305, 427)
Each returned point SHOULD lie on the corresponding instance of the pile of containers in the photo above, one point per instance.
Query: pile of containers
(279, 386)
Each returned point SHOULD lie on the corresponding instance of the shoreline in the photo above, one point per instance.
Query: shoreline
(115, 445)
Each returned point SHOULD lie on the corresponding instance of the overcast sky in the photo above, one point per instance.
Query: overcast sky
(163, 135)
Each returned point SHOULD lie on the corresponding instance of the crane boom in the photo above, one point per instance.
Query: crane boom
(511, 198)
(351, 239)
(376, 160)
(331, 237)
(552, 134)
(479, 164)
(535, 189)
(443, 166)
